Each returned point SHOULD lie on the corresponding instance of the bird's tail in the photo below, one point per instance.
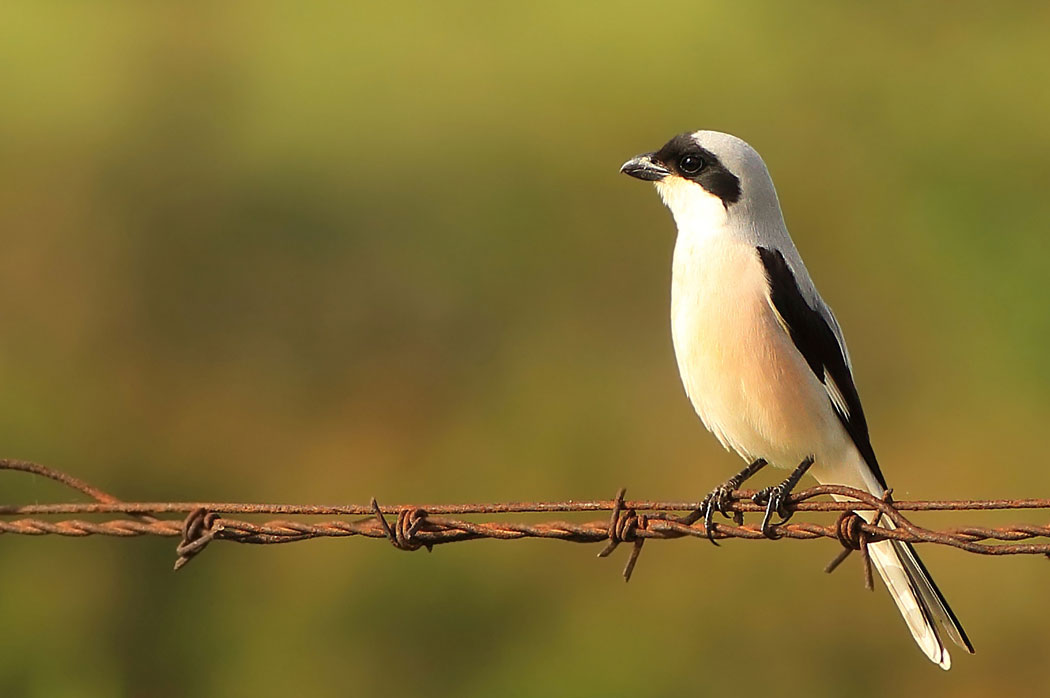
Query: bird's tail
(918, 598)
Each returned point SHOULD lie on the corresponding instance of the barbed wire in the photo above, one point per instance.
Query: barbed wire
(417, 526)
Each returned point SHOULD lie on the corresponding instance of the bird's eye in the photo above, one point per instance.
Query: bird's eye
(691, 164)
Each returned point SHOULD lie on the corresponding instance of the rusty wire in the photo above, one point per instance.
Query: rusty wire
(416, 526)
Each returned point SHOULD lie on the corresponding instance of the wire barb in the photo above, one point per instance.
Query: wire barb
(622, 528)
(402, 535)
(850, 533)
(199, 529)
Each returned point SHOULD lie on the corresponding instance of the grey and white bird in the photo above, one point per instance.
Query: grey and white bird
(763, 359)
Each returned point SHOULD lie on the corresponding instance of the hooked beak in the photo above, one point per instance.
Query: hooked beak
(644, 167)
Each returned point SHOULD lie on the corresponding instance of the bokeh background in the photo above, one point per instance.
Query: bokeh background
(314, 252)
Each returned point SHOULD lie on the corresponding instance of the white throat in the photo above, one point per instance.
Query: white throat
(696, 211)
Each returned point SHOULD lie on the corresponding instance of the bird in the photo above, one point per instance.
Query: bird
(763, 359)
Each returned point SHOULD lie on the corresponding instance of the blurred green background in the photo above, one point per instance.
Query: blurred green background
(320, 251)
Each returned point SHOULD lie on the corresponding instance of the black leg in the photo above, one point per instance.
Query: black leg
(773, 497)
(719, 498)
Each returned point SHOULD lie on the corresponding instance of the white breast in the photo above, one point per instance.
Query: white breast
(743, 374)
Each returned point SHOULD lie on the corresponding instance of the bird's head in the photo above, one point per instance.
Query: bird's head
(705, 175)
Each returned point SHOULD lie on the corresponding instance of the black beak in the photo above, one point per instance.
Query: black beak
(644, 167)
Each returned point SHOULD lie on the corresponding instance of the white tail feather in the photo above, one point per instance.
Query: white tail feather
(902, 581)
(917, 597)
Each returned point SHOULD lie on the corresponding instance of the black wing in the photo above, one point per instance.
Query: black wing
(816, 341)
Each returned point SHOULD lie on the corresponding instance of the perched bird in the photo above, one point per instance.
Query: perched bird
(762, 357)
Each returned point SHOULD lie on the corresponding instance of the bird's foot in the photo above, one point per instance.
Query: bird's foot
(719, 499)
(775, 498)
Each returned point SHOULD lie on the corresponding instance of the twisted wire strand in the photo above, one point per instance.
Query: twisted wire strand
(416, 526)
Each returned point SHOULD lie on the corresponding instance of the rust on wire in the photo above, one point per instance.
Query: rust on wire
(199, 529)
(851, 534)
(622, 528)
(426, 526)
(402, 535)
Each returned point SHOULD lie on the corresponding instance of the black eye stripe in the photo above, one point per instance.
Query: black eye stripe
(712, 175)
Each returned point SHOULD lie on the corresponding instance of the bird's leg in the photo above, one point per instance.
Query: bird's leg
(774, 497)
(720, 497)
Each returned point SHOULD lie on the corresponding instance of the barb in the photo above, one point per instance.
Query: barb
(199, 529)
(418, 526)
(625, 529)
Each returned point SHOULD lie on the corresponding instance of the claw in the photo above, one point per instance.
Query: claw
(709, 513)
(724, 498)
(720, 498)
(775, 498)
(716, 499)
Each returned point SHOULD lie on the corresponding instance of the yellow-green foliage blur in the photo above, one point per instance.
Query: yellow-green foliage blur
(319, 251)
